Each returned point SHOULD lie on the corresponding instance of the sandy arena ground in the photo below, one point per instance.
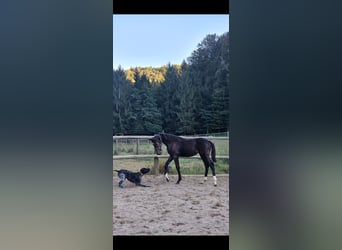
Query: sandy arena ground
(192, 207)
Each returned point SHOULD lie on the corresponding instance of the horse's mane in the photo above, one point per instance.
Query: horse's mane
(167, 136)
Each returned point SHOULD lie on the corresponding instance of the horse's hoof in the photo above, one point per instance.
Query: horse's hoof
(167, 179)
(215, 185)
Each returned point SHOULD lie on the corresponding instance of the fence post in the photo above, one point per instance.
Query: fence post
(116, 147)
(156, 166)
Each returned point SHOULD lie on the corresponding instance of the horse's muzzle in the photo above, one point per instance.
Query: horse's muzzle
(158, 152)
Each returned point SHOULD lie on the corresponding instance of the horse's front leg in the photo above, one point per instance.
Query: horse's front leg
(178, 170)
(166, 168)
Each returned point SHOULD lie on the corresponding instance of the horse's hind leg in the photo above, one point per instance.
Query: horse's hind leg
(212, 167)
(209, 163)
(166, 168)
(206, 172)
(206, 166)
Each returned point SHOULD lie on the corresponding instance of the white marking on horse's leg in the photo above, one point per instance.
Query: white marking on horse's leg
(215, 180)
(167, 176)
(205, 178)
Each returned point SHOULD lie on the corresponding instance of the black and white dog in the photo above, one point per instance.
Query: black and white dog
(134, 177)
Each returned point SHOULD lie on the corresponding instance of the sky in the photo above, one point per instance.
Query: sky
(156, 40)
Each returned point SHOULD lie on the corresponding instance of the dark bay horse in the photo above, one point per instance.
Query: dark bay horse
(181, 147)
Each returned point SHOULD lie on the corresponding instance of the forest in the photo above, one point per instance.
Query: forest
(191, 98)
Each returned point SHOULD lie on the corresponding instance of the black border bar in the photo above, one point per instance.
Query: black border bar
(170, 7)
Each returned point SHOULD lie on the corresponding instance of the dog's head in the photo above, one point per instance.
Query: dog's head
(144, 170)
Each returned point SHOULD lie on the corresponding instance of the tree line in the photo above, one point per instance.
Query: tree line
(191, 98)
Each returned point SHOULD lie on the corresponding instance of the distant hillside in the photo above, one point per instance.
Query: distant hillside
(153, 75)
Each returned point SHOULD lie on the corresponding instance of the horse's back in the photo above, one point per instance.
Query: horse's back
(187, 147)
(201, 142)
(179, 146)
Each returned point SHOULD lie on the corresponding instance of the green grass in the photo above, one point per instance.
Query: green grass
(187, 166)
(194, 166)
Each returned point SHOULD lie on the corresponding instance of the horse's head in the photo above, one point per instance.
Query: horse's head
(157, 143)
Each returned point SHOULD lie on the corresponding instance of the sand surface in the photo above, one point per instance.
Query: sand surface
(193, 207)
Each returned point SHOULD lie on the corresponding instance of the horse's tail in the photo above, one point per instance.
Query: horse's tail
(213, 151)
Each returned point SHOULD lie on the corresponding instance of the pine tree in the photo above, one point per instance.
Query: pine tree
(168, 101)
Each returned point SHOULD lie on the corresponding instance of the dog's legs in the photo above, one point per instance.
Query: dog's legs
(120, 183)
(122, 177)
(141, 185)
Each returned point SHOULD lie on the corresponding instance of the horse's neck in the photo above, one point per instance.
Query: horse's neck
(166, 139)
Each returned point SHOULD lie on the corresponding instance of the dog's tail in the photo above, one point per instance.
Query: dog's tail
(213, 151)
(116, 170)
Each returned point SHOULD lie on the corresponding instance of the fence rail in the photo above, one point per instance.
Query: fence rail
(156, 157)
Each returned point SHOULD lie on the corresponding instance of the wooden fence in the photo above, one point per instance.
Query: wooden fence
(155, 169)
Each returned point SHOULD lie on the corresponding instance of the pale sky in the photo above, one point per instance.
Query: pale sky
(156, 40)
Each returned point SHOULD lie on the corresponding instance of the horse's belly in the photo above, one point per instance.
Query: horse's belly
(188, 154)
